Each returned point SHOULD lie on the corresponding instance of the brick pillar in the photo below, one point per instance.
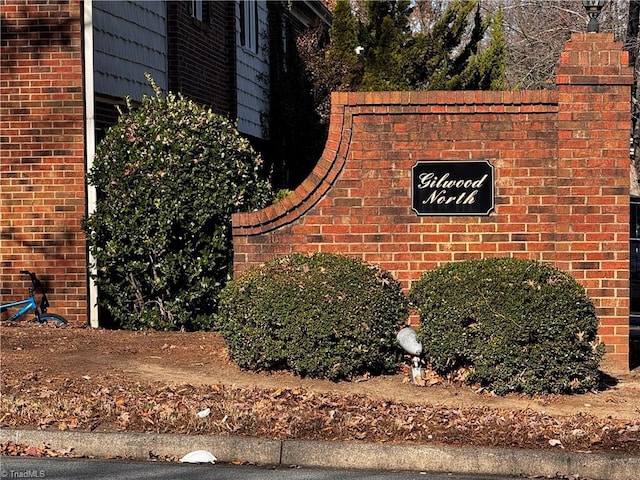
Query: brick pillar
(594, 105)
(42, 167)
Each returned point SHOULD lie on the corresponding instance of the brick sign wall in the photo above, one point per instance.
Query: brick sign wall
(42, 190)
(560, 164)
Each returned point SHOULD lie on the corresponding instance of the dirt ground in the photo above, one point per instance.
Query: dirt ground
(39, 359)
(201, 359)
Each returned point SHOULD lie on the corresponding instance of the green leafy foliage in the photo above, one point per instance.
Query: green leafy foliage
(322, 315)
(485, 70)
(436, 56)
(383, 67)
(169, 175)
(517, 325)
(458, 50)
(382, 37)
(341, 52)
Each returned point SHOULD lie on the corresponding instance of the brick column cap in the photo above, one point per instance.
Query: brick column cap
(594, 59)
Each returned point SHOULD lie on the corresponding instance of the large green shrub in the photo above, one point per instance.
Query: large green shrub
(169, 175)
(517, 325)
(322, 315)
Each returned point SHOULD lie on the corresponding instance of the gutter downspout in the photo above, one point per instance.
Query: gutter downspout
(90, 150)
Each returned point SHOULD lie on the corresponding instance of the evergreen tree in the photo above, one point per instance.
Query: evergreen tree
(493, 61)
(376, 11)
(383, 38)
(483, 69)
(341, 56)
(462, 62)
(430, 61)
(451, 53)
(383, 66)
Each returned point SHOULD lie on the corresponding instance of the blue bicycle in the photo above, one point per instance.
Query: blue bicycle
(29, 304)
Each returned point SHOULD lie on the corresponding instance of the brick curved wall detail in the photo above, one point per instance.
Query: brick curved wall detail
(328, 168)
(561, 164)
(309, 192)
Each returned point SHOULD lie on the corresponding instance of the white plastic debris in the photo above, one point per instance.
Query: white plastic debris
(555, 443)
(204, 413)
(199, 456)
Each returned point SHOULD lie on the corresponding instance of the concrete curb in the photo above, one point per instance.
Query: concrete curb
(463, 460)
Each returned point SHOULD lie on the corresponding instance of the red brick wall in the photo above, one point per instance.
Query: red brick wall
(42, 194)
(593, 179)
(201, 61)
(561, 161)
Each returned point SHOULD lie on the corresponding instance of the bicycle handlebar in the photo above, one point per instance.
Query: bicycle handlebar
(34, 280)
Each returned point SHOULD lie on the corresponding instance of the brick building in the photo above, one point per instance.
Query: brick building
(66, 66)
(42, 150)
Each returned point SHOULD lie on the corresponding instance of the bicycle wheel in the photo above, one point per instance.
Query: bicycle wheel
(59, 319)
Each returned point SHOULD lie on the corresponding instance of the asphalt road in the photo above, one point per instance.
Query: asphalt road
(95, 469)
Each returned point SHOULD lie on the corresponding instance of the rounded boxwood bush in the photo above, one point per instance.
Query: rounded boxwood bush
(321, 315)
(517, 325)
(169, 175)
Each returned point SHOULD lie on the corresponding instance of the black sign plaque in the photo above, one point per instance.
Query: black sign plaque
(452, 188)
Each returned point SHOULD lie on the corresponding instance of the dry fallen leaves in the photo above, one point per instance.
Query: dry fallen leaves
(296, 413)
(81, 396)
(44, 450)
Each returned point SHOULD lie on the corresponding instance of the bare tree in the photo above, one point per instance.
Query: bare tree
(536, 33)
(537, 30)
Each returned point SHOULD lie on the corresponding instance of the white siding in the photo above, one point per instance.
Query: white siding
(252, 76)
(130, 38)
